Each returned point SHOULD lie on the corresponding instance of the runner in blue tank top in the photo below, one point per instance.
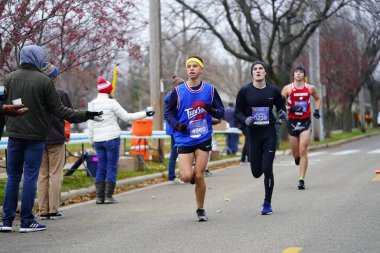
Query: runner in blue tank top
(189, 111)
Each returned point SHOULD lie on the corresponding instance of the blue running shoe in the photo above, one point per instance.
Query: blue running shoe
(31, 227)
(267, 209)
(5, 227)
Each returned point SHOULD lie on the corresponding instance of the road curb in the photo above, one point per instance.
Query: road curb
(140, 179)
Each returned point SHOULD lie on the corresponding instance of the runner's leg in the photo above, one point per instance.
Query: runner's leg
(185, 162)
(304, 141)
(201, 160)
(294, 145)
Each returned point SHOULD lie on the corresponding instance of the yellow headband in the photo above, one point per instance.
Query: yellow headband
(197, 61)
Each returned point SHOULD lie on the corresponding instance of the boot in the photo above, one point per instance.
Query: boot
(110, 187)
(100, 188)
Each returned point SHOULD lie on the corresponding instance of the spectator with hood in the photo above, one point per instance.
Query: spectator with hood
(29, 133)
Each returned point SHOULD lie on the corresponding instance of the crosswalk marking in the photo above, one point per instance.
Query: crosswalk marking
(376, 151)
(316, 153)
(346, 152)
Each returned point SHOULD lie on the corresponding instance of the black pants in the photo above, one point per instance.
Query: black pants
(262, 150)
(244, 152)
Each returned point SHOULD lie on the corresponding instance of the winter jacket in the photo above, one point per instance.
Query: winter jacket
(108, 129)
(38, 93)
(57, 132)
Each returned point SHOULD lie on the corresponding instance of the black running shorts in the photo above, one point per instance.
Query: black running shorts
(297, 126)
(205, 146)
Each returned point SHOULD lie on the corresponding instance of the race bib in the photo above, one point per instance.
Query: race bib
(261, 115)
(303, 104)
(198, 128)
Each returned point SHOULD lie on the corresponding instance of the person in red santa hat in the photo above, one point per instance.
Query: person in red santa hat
(105, 137)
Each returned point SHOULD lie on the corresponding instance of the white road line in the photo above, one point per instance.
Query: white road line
(376, 151)
(347, 152)
(316, 153)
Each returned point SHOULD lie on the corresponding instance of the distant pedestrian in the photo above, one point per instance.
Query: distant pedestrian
(28, 134)
(50, 177)
(232, 138)
(245, 151)
(105, 136)
(169, 131)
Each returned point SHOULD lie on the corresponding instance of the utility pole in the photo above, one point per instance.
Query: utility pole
(155, 72)
(318, 131)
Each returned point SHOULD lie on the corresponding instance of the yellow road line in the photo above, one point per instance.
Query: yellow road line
(292, 250)
(376, 178)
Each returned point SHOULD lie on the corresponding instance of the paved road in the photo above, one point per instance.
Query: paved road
(339, 212)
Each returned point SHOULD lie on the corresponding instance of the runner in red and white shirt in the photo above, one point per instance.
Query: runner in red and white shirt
(298, 95)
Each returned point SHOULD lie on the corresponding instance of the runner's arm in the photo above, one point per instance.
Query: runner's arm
(218, 105)
(279, 101)
(314, 93)
(239, 108)
(170, 112)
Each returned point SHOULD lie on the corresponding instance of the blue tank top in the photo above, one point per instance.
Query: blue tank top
(190, 107)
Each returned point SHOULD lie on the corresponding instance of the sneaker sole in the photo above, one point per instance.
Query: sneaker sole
(202, 219)
(45, 218)
(56, 218)
(28, 230)
(6, 229)
(267, 213)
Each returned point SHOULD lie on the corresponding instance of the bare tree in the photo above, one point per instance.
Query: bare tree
(274, 31)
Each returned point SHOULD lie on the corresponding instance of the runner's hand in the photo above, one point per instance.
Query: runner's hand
(249, 121)
(282, 116)
(296, 108)
(209, 109)
(316, 114)
(181, 127)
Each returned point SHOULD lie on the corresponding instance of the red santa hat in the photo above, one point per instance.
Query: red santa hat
(104, 86)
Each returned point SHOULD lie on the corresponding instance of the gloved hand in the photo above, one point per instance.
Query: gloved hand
(92, 115)
(282, 115)
(215, 121)
(209, 109)
(150, 113)
(296, 108)
(14, 110)
(181, 127)
(316, 114)
(249, 121)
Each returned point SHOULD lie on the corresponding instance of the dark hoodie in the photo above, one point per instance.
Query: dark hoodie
(38, 93)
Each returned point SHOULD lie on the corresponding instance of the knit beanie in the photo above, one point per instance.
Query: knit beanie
(301, 68)
(258, 62)
(50, 70)
(104, 86)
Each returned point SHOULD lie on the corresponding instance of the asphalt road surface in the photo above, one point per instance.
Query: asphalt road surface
(338, 212)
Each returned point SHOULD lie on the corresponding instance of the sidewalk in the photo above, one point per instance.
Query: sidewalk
(212, 165)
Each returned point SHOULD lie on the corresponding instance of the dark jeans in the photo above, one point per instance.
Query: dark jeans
(232, 143)
(108, 158)
(23, 157)
(172, 159)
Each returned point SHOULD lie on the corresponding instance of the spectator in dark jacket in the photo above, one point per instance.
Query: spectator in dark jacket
(28, 134)
(53, 159)
(232, 139)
